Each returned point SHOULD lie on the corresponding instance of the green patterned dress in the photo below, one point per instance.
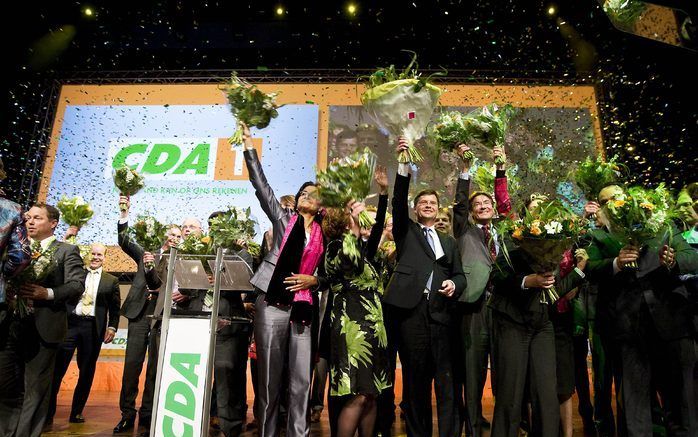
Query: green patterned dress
(358, 339)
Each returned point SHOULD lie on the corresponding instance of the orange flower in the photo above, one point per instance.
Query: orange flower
(535, 230)
(618, 203)
(206, 239)
(518, 233)
(647, 205)
(36, 255)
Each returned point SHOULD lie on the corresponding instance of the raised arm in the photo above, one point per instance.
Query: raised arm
(374, 239)
(461, 210)
(501, 191)
(267, 200)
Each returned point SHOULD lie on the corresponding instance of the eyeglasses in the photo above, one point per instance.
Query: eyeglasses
(308, 195)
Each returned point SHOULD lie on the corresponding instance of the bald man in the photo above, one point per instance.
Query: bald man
(93, 320)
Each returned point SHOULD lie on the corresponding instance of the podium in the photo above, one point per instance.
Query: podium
(184, 380)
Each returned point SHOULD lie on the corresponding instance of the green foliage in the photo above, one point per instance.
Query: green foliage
(249, 105)
(231, 228)
(594, 174)
(148, 233)
(389, 74)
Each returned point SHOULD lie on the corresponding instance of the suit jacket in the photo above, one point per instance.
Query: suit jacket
(416, 261)
(476, 259)
(660, 289)
(67, 280)
(279, 217)
(231, 304)
(142, 282)
(107, 304)
(523, 306)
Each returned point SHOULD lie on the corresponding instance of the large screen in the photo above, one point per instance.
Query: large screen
(177, 136)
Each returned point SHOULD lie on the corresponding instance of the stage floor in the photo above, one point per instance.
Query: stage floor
(102, 410)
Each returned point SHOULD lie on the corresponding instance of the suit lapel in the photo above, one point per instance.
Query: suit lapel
(423, 241)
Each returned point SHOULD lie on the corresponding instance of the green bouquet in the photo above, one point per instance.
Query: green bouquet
(346, 179)
(232, 227)
(196, 244)
(402, 104)
(485, 174)
(489, 125)
(449, 131)
(639, 215)
(74, 212)
(148, 233)
(594, 174)
(128, 181)
(249, 105)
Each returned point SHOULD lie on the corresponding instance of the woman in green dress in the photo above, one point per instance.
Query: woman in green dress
(359, 369)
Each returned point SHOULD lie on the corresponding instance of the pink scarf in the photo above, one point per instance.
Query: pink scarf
(311, 256)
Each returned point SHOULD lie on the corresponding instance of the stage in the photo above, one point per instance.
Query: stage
(102, 410)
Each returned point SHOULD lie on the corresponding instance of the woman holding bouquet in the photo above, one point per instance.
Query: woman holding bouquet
(286, 281)
(358, 339)
(524, 340)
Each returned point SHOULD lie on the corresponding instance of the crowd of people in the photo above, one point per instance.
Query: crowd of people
(334, 306)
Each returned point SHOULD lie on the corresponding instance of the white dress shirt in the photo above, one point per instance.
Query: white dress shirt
(91, 287)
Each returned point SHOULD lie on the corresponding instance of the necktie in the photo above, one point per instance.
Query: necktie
(430, 241)
(489, 241)
(87, 300)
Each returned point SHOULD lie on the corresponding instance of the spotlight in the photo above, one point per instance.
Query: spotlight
(351, 9)
(88, 12)
(552, 10)
(280, 11)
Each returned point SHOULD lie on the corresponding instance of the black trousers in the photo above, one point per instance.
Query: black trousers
(230, 372)
(425, 349)
(138, 341)
(82, 336)
(521, 350)
(646, 357)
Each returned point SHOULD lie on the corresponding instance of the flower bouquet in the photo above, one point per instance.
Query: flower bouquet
(449, 131)
(74, 212)
(197, 245)
(346, 179)
(594, 174)
(402, 104)
(149, 234)
(249, 105)
(624, 13)
(229, 229)
(639, 215)
(488, 126)
(128, 181)
(40, 267)
(485, 174)
(544, 235)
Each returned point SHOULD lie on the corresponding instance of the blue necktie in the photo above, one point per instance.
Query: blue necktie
(430, 240)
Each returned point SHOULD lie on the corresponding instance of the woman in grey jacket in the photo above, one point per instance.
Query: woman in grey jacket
(286, 281)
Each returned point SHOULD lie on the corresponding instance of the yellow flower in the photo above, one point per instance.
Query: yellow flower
(36, 255)
(206, 239)
(618, 203)
(535, 230)
(647, 205)
(518, 233)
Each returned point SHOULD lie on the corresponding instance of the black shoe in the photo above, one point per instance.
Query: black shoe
(484, 423)
(145, 433)
(124, 426)
(78, 418)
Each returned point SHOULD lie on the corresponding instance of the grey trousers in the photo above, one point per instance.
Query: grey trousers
(477, 351)
(279, 341)
(25, 382)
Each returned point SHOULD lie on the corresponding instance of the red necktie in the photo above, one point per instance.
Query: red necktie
(489, 241)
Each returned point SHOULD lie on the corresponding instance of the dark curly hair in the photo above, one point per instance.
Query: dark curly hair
(335, 223)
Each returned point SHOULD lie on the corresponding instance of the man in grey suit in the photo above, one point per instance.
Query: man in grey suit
(138, 305)
(479, 247)
(92, 320)
(34, 338)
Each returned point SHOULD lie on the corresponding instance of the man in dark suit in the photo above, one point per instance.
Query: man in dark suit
(479, 246)
(55, 277)
(651, 316)
(137, 307)
(93, 319)
(422, 293)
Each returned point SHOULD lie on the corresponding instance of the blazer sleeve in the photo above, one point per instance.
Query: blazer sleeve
(74, 276)
(600, 266)
(128, 245)
(401, 215)
(155, 278)
(377, 231)
(571, 281)
(267, 200)
(461, 209)
(501, 193)
(114, 305)
(18, 252)
(457, 275)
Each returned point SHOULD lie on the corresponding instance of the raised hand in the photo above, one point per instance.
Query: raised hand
(402, 145)
(499, 156)
(246, 136)
(540, 280)
(381, 178)
(667, 256)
